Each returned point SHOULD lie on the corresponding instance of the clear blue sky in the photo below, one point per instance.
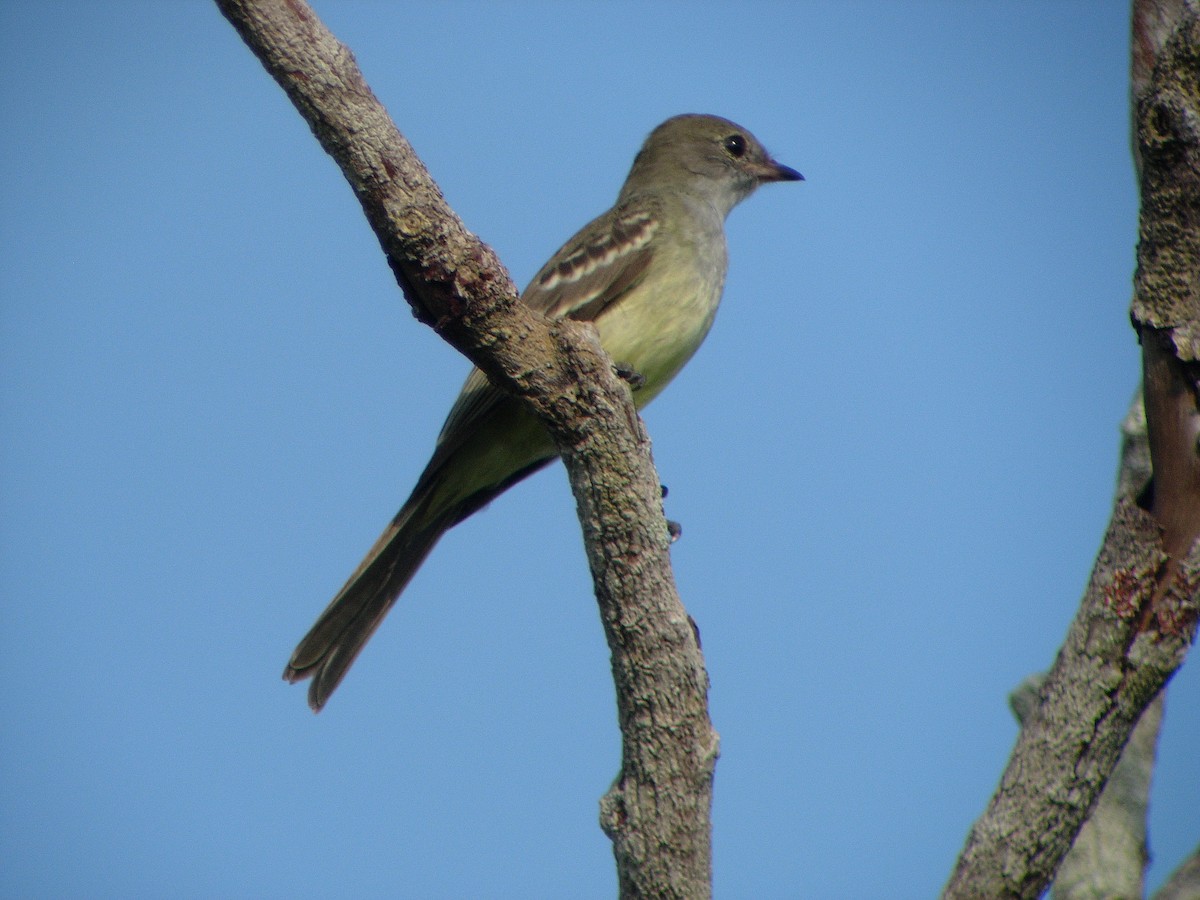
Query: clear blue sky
(893, 460)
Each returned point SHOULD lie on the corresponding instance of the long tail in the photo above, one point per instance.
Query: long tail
(326, 653)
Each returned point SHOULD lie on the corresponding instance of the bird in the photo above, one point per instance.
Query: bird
(649, 275)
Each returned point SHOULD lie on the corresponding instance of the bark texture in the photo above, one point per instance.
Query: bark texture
(1109, 856)
(1166, 303)
(657, 811)
(1138, 616)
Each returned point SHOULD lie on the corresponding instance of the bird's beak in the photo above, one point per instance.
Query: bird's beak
(773, 171)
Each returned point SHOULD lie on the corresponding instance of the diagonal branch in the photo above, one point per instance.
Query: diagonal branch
(1138, 616)
(1109, 670)
(658, 810)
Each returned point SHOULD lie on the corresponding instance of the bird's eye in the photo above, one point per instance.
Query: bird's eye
(735, 145)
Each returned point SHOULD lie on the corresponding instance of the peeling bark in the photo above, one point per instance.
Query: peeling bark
(1138, 617)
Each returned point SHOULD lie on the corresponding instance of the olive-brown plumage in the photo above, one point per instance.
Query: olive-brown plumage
(649, 273)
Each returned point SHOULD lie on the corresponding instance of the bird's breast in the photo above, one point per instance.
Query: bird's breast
(657, 326)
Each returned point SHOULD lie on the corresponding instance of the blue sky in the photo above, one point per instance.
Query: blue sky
(893, 459)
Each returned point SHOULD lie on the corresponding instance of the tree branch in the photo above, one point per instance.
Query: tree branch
(658, 810)
(1166, 302)
(1109, 856)
(1138, 616)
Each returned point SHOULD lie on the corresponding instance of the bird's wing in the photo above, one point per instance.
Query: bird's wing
(592, 271)
(595, 268)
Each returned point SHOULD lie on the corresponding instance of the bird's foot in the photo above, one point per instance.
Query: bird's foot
(629, 375)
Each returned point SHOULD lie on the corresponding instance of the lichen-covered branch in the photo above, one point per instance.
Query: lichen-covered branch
(1109, 855)
(1138, 616)
(1119, 653)
(1166, 303)
(657, 812)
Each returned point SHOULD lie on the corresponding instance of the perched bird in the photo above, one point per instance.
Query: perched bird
(649, 274)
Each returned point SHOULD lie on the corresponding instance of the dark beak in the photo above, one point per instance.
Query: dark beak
(779, 172)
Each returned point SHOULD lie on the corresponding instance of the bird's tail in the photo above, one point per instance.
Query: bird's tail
(326, 653)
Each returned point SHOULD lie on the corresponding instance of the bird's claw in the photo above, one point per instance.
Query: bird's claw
(629, 375)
